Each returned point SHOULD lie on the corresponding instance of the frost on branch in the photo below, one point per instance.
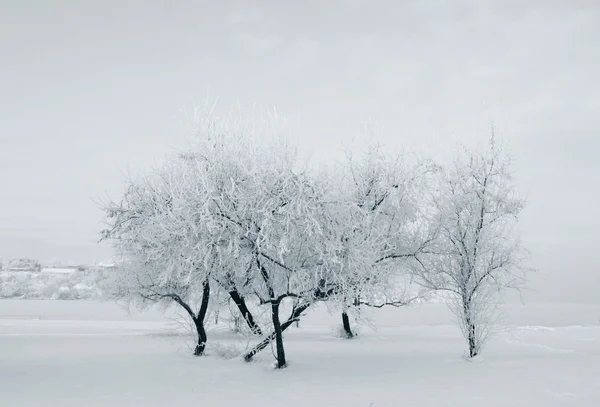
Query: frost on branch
(476, 252)
(264, 211)
(236, 213)
(166, 255)
(375, 224)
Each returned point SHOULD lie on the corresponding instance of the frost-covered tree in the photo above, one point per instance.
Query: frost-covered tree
(477, 252)
(171, 239)
(23, 264)
(267, 210)
(167, 255)
(377, 196)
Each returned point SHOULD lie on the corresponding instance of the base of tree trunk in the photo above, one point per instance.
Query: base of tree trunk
(281, 362)
(472, 341)
(296, 312)
(199, 321)
(346, 324)
(199, 349)
(472, 349)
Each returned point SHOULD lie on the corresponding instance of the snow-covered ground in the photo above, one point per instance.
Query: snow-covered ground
(84, 353)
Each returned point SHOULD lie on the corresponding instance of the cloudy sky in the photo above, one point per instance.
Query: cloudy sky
(91, 90)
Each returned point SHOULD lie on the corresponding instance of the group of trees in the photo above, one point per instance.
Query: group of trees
(239, 213)
(20, 264)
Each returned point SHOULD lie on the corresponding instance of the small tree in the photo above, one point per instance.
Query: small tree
(167, 256)
(476, 251)
(377, 215)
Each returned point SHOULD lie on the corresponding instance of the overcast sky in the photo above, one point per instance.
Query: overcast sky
(90, 89)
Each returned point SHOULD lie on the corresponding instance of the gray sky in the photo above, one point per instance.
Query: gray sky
(90, 90)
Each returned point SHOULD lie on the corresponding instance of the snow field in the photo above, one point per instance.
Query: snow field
(67, 353)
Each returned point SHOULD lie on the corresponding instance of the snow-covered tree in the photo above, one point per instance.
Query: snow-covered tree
(267, 209)
(23, 264)
(168, 254)
(377, 226)
(477, 252)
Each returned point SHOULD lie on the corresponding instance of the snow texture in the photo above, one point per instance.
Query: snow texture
(74, 353)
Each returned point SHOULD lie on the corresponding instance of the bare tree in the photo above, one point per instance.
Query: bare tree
(477, 252)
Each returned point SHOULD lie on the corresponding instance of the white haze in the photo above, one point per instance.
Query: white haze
(91, 90)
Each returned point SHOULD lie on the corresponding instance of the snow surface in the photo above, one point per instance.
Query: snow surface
(84, 353)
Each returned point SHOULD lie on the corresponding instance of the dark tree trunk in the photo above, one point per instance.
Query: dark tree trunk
(201, 345)
(346, 325)
(199, 320)
(278, 331)
(240, 302)
(281, 362)
(296, 312)
(472, 339)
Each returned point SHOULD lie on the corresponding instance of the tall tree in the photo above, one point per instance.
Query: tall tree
(477, 251)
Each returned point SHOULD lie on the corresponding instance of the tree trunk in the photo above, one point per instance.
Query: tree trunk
(470, 326)
(281, 362)
(201, 345)
(278, 334)
(296, 312)
(199, 320)
(346, 325)
(240, 302)
(472, 340)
